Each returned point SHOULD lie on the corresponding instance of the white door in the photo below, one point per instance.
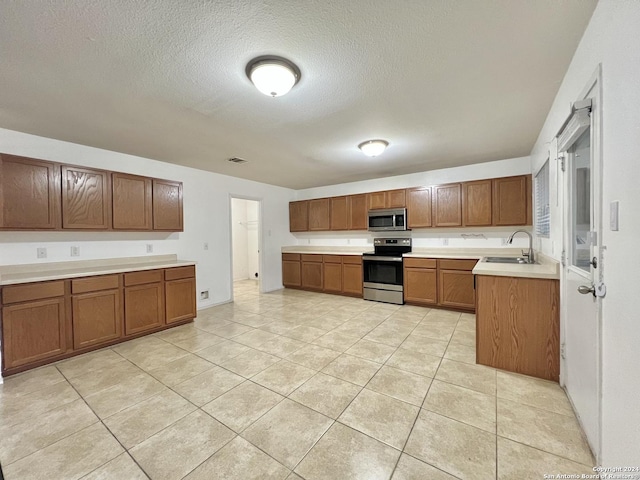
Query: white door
(582, 272)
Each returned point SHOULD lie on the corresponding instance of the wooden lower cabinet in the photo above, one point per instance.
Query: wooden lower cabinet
(143, 307)
(332, 275)
(455, 289)
(33, 331)
(180, 300)
(291, 270)
(352, 275)
(518, 325)
(338, 274)
(43, 322)
(97, 318)
(420, 285)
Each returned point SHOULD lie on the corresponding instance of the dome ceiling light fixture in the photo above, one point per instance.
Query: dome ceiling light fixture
(373, 148)
(273, 76)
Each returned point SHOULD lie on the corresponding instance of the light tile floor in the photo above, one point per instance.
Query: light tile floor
(290, 384)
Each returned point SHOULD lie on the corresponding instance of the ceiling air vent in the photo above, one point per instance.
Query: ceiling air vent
(237, 160)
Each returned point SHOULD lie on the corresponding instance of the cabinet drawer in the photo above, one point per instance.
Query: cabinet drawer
(420, 262)
(180, 272)
(352, 259)
(292, 257)
(332, 259)
(312, 258)
(92, 284)
(447, 264)
(32, 291)
(140, 278)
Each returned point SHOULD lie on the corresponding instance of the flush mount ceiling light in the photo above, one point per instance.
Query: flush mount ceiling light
(373, 148)
(273, 76)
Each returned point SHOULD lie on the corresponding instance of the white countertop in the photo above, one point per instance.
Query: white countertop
(40, 272)
(544, 267)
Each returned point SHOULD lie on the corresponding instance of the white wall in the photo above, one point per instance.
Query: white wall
(611, 39)
(206, 218)
(492, 237)
(244, 228)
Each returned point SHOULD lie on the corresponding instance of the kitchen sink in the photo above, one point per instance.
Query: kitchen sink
(504, 260)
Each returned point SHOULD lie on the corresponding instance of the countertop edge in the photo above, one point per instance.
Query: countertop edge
(15, 279)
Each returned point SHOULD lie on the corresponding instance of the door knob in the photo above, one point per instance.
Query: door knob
(585, 289)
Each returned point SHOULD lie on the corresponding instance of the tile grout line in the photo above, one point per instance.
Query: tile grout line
(107, 428)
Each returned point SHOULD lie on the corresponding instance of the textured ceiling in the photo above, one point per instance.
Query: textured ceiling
(446, 82)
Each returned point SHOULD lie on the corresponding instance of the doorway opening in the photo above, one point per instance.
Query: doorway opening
(245, 246)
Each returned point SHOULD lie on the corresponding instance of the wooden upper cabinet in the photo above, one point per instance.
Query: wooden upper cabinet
(132, 207)
(447, 205)
(376, 200)
(476, 203)
(319, 214)
(299, 216)
(510, 200)
(387, 199)
(86, 198)
(396, 198)
(29, 193)
(357, 211)
(167, 205)
(339, 213)
(419, 207)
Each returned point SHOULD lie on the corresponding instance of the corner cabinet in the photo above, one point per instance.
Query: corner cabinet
(29, 194)
(167, 205)
(512, 200)
(43, 322)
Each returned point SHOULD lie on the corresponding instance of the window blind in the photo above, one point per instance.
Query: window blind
(542, 222)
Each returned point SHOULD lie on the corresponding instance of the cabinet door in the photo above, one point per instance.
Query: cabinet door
(339, 213)
(291, 273)
(420, 285)
(357, 212)
(167, 205)
(376, 200)
(332, 277)
(143, 307)
(319, 214)
(395, 198)
(29, 193)
(456, 289)
(180, 298)
(86, 198)
(447, 205)
(510, 202)
(352, 278)
(476, 203)
(419, 207)
(33, 331)
(97, 318)
(299, 216)
(312, 275)
(132, 208)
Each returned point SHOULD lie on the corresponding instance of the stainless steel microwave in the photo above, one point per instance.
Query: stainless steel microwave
(392, 219)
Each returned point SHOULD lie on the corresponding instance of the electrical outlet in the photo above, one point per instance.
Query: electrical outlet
(204, 295)
(75, 251)
(206, 245)
(445, 242)
(149, 248)
(41, 252)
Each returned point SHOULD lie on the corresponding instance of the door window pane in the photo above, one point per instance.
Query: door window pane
(581, 201)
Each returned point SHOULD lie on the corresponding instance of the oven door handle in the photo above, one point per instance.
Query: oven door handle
(382, 258)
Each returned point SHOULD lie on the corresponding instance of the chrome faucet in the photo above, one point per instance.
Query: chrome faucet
(529, 254)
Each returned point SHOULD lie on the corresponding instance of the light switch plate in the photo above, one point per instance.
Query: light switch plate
(149, 248)
(614, 208)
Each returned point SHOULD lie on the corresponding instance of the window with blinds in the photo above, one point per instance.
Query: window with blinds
(542, 201)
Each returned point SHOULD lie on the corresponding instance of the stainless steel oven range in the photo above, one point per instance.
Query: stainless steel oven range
(382, 270)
